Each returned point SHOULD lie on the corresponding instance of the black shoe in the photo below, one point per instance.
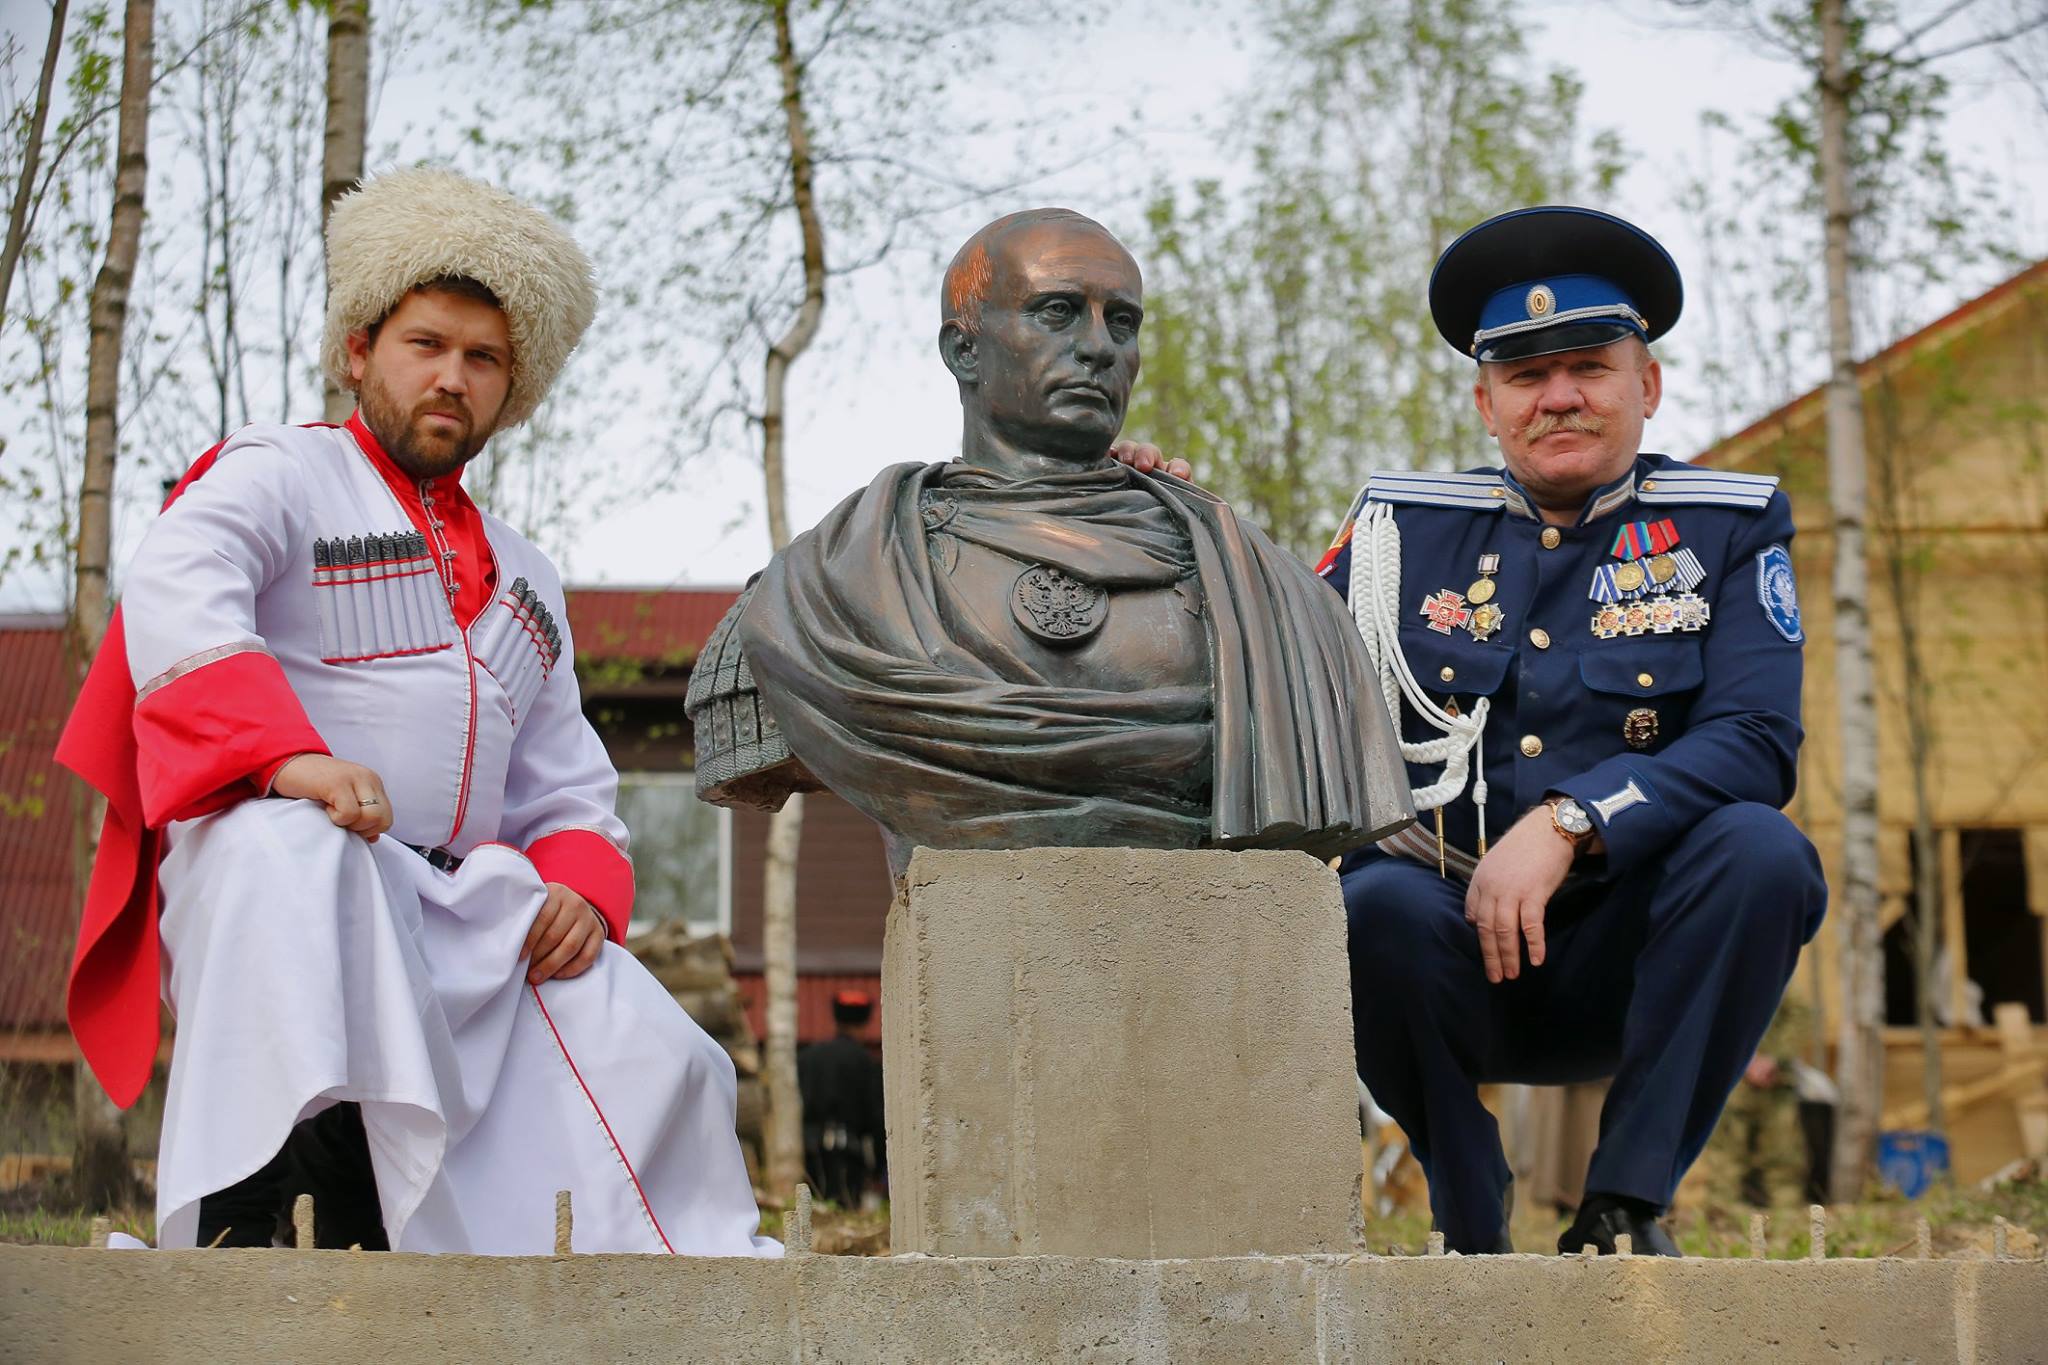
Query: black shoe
(328, 1157)
(248, 1213)
(1603, 1217)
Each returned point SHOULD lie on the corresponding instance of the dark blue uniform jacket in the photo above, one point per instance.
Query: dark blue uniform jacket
(1716, 708)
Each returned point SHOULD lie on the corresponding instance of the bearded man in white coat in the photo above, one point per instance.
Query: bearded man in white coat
(360, 838)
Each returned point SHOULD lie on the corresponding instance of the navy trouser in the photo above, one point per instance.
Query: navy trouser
(1664, 978)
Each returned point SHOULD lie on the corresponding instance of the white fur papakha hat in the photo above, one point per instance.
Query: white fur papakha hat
(406, 227)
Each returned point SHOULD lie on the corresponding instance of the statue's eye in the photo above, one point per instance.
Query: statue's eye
(1056, 311)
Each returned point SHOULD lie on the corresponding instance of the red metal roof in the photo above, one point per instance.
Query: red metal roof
(646, 625)
(38, 904)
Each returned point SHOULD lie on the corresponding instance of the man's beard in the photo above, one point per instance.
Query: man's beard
(421, 454)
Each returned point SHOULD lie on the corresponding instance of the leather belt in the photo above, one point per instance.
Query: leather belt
(439, 858)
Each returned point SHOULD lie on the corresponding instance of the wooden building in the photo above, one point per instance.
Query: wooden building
(1957, 525)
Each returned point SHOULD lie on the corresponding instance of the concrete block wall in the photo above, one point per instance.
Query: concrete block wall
(233, 1306)
(1120, 1052)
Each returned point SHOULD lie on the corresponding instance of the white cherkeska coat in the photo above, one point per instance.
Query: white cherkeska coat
(306, 966)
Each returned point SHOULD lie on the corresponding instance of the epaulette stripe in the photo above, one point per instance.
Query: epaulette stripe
(1716, 476)
(1753, 501)
(1432, 476)
(1436, 488)
(1422, 499)
(1718, 485)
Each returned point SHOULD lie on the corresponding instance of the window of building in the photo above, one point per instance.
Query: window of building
(682, 852)
(2003, 939)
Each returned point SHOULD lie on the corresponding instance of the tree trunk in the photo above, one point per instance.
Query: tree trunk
(1892, 471)
(100, 1172)
(348, 112)
(1859, 1062)
(785, 1130)
(31, 153)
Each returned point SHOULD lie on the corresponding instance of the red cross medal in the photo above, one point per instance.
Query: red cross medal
(1446, 610)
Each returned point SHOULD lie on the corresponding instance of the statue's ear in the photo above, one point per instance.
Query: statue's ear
(957, 348)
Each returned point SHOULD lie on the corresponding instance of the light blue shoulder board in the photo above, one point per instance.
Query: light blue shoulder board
(1430, 488)
(1714, 487)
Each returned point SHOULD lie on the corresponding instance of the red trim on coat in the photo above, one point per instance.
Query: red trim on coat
(602, 1121)
(111, 997)
(203, 739)
(586, 862)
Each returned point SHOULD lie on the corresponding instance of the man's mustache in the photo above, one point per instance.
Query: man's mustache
(459, 411)
(1550, 423)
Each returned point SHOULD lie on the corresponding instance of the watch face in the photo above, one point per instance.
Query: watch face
(1573, 819)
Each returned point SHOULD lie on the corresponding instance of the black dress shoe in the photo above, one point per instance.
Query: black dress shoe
(1604, 1217)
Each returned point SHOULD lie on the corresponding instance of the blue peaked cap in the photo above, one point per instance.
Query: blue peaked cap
(1552, 278)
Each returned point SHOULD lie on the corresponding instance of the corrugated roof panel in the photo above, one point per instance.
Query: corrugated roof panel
(665, 626)
(38, 904)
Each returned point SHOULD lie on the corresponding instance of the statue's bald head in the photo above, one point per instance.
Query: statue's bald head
(973, 271)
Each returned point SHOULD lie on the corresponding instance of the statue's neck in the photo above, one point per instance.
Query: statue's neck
(985, 446)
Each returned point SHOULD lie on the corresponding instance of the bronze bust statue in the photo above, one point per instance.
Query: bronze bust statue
(1036, 644)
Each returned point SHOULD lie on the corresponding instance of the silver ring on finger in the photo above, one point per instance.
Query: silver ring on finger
(368, 801)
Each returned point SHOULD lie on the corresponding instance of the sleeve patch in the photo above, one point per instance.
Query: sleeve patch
(1610, 806)
(1778, 592)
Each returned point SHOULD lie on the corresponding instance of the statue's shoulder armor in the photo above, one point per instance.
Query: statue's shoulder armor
(1480, 491)
(1680, 485)
(742, 758)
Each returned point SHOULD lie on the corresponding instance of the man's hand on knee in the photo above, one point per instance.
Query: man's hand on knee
(354, 795)
(1510, 890)
(566, 937)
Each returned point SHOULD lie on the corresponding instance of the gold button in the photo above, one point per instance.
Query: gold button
(1644, 680)
(1448, 673)
(1531, 746)
(1649, 485)
(1500, 492)
(1540, 638)
(1551, 536)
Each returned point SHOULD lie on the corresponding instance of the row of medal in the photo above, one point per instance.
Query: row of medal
(1650, 591)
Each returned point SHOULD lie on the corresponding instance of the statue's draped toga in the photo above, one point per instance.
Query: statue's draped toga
(902, 687)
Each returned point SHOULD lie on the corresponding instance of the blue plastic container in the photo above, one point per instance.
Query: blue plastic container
(1911, 1161)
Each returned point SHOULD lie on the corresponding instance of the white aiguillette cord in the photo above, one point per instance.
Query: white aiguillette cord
(1376, 607)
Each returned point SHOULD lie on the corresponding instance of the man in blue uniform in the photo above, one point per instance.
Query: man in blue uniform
(1594, 654)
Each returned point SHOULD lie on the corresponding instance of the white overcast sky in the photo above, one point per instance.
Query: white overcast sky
(873, 393)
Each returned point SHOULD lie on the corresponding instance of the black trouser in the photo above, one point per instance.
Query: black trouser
(328, 1157)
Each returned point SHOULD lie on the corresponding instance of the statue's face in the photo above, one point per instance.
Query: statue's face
(1058, 348)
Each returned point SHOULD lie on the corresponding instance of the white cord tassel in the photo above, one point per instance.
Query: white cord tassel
(1376, 607)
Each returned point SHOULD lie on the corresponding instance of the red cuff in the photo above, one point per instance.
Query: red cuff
(266, 777)
(586, 862)
(204, 738)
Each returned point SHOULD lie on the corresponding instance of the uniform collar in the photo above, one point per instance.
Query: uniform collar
(402, 483)
(1605, 499)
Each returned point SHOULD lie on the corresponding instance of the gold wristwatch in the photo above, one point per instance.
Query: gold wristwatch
(1570, 821)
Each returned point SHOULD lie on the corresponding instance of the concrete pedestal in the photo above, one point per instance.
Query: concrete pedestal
(1119, 1052)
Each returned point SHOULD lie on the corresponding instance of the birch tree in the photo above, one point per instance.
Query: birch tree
(99, 1171)
(31, 153)
(1861, 139)
(348, 123)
